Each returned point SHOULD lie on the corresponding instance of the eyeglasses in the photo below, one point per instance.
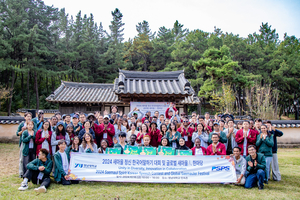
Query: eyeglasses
(41, 113)
(147, 122)
(185, 121)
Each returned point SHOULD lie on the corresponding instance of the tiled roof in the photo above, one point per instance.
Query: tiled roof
(137, 82)
(72, 92)
(23, 110)
(11, 120)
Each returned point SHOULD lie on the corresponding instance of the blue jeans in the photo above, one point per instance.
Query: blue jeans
(268, 163)
(252, 179)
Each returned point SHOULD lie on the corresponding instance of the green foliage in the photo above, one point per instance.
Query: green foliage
(41, 45)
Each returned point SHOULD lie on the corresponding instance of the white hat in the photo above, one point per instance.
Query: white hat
(106, 116)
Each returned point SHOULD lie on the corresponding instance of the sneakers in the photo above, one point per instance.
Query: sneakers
(41, 189)
(24, 186)
(260, 187)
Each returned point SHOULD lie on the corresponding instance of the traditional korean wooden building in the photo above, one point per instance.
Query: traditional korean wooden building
(130, 86)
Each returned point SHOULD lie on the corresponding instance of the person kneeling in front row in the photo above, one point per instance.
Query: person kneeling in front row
(256, 170)
(61, 167)
(240, 165)
(38, 171)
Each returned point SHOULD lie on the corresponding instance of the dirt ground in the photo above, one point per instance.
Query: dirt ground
(9, 159)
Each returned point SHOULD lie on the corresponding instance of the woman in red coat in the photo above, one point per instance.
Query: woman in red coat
(154, 134)
(197, 149)
(43, 138)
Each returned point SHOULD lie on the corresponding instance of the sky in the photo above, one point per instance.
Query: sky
(240, 17)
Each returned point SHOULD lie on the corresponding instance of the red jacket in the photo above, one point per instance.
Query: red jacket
(155, 137)
(221, 149)
(167, 112)
(110, 131)
(256, 131)
(97, 128)
(251, 139)
(39, 140)
(144, 118)
(183, 133)
(203, 150)
(139, 141)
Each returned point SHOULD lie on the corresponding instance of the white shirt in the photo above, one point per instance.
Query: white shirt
(45, 144)
(245, 143)
(198, 151)
(65, 162)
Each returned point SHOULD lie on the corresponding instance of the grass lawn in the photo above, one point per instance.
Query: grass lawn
(288, 188)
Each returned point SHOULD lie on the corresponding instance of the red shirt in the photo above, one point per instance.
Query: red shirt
(155, 137)
(109, 132)
(221, 149)
(187, 134)
(167, 112)
(39, 141)
(139, 141)
(251, 139)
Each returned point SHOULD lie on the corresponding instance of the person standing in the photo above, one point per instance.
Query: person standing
(43, 138)
(59, 134)
(75, 122)
(140, 136)
(173, 135)
(119, 128)
(186, 132)
(29, 146)
(275, 167)
(53, 123)
(265, 143)
(160, 121)
(107, 131)
(39, 120)
(255, 169)
(170, 110)
(245, 137)
(21, 128)
(132, 131)
(230, 134)
(222, 135)
(201, 134)
(87, 129)
(154, 134)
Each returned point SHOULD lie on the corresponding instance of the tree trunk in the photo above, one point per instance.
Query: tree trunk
(244, 102)
(28, 96)
(239, 101)
(47, 88)
(36, 91)
(53, 84)
(22, 86)
(10, 99)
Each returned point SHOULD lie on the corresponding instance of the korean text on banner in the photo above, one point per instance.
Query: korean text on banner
(152, 168)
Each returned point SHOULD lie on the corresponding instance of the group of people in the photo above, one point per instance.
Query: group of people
(45, 145)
